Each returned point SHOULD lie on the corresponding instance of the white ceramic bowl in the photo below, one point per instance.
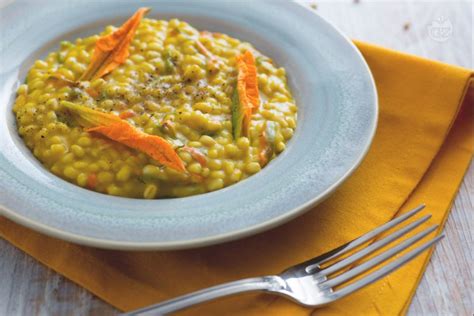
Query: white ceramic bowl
(337, 118)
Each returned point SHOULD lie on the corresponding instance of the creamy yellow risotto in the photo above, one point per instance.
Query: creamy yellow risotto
(155, 109)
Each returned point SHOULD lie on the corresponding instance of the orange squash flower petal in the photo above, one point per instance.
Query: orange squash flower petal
(247, 88)
(247, 82)
(112, 50)
(121, 131)
(154, 146)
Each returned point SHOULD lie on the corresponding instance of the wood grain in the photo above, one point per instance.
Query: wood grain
(28, 288)
(446, 288)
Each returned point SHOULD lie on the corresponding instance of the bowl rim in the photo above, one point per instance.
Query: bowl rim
(224, 237)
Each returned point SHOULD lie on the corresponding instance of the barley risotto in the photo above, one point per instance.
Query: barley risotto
(155, 109)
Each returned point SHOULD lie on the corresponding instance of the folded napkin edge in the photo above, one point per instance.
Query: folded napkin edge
(413, 56)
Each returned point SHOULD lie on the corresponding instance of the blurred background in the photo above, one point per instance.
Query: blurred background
(441, 30)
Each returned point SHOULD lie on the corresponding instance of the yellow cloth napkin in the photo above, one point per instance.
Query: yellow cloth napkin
(416, 157)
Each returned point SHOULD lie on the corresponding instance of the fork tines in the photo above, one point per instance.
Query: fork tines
(324, 273)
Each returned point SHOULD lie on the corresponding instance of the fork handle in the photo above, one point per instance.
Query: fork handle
(266, 283)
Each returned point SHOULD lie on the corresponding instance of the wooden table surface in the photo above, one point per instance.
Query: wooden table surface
(29, 288)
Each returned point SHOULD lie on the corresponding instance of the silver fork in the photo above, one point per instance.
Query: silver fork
(311, 284)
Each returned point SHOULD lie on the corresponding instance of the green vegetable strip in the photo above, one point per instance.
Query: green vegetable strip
(89, 117)
(237, 115)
